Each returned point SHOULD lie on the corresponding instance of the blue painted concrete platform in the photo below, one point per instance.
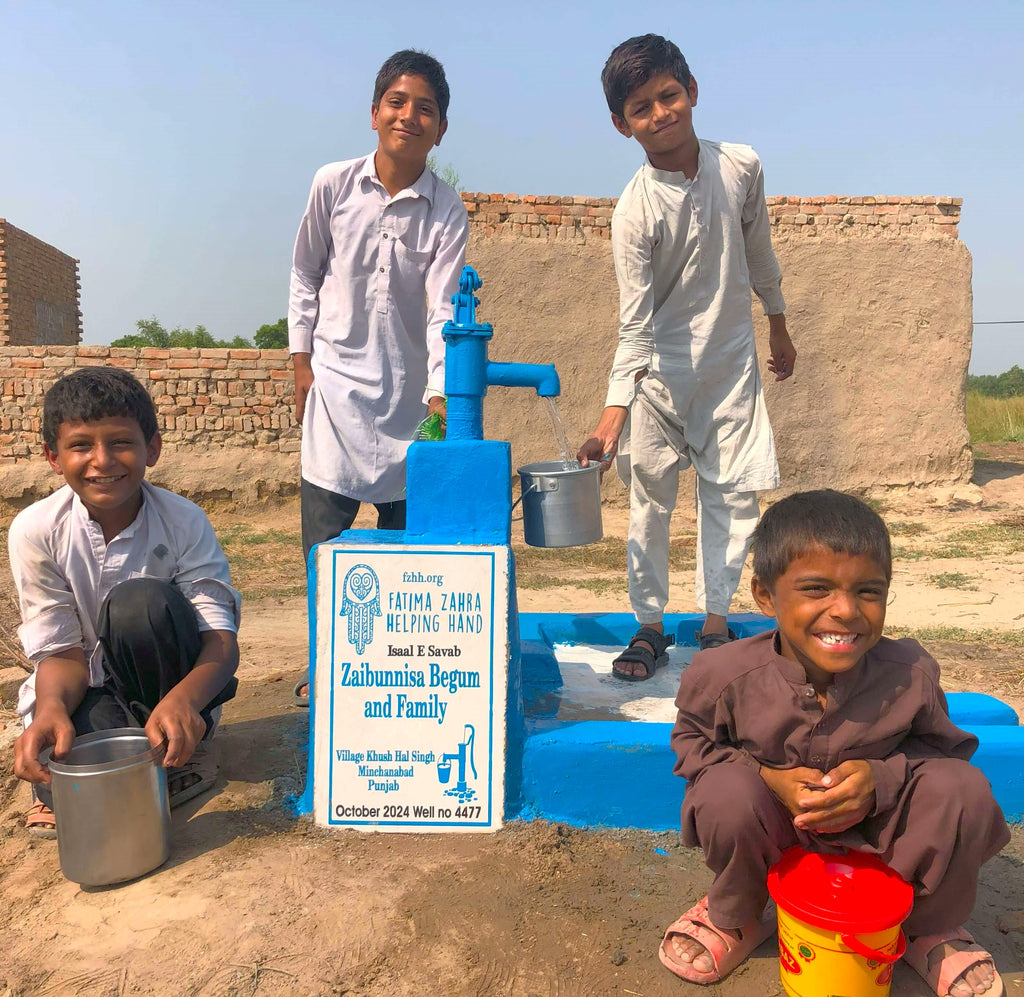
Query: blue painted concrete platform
(619, 774)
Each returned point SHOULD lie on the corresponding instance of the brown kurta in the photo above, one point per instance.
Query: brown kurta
(744, 705)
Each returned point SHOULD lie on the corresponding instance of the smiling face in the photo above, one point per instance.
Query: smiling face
(104, 462)
(830, 608)
(659, 115)
(408, 121)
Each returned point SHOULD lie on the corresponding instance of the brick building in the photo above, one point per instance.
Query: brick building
(39, 292)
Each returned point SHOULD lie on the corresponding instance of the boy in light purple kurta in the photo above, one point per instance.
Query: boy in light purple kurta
(825, 734)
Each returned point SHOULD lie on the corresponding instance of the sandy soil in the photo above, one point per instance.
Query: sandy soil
(253, 901)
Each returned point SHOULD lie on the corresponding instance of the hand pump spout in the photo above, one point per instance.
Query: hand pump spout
(468, 372)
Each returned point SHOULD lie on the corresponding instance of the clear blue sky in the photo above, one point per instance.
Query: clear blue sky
(170, 146)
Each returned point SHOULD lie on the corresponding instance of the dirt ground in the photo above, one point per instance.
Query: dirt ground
(254, 901)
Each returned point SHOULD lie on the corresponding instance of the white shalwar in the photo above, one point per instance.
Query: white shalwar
(687, 253)
(371, 286)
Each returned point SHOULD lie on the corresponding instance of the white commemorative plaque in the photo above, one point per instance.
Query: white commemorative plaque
(410, 687)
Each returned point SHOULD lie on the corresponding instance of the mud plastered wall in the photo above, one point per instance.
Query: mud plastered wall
(879, 305)
(878, 294)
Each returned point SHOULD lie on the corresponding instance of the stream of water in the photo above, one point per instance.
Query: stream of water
(565, 450)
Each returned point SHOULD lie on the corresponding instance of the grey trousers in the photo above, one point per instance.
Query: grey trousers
(325, 514)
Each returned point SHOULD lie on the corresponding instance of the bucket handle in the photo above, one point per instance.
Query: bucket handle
(526, 491)
(536, 486)
(853, 943)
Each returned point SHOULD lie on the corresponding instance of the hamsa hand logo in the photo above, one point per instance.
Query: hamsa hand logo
(360, 602)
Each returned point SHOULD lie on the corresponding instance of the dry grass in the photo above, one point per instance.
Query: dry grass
(954, 580)
(264, 562)
(995, 420)
(599, 568)
(960, 635)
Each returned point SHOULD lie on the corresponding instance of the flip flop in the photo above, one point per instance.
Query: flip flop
(726, 953)
(40, 821)
(298, 697)
(196, 776)
(634, 654)
(941, 974)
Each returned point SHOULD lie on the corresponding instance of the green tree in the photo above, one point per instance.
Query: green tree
(1009, 384)
(272, 337)
(446, 173)
(152, 333)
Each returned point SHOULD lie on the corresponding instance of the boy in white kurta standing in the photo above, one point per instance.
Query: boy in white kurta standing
(690, 238)
(377, 260)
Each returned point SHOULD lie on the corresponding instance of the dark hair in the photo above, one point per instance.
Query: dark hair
(634, 62)
(410, 61)
(93, 393)
(823, 518)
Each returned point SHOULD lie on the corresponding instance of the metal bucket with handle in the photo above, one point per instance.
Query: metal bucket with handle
(561, 505)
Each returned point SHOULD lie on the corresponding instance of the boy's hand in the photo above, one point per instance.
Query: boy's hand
(782, 358)
(50, 725)
(791, 785)
(178, 722)
(847, 798)
(438, 404)
(604, 444)
(301, 362)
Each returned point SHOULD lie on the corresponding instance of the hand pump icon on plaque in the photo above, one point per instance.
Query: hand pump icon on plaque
(460, 790)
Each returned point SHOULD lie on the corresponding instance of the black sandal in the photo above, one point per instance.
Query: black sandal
(705, 642)
(635, 654)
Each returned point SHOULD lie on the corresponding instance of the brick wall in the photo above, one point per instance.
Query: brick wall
(39, 292)
(537, 216)
(204, 398)
(878, 292)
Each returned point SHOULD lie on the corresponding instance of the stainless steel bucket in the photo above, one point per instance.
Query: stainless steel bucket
(110, 802)
(561, 506)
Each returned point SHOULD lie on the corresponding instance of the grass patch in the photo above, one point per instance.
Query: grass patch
(984, 540)
(608, 554)
(599, 586)
(264, 563)
(241, 535)
(991, 538)
(959, 635)
(907, 554)
(909, 529)
(953, 580)
(954, 550)
(995, 420)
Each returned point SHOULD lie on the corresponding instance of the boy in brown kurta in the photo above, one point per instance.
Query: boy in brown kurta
(825, 734)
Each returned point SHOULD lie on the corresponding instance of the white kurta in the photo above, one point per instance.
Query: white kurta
(686, 255)
(63, 570)
(371, 286)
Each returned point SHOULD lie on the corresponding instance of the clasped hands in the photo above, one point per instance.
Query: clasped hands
(824, 802)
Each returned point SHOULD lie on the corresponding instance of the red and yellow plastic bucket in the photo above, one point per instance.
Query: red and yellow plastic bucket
(839, 923)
